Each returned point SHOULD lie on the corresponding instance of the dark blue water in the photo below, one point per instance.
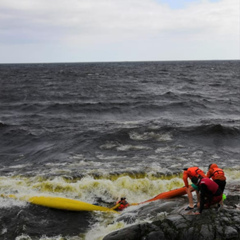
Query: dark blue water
(97, 131)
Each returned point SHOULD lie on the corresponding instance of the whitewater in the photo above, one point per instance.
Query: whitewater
(99, 131)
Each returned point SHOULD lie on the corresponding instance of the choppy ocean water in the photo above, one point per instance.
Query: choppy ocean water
(99, 131)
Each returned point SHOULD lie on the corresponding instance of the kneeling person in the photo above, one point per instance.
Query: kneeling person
(210, 193)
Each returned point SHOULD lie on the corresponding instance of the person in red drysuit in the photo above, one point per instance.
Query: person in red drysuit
(210, 192)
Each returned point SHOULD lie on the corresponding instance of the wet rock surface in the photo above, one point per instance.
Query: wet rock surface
(212, 224)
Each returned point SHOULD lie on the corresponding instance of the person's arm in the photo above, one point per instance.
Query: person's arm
(185, 177)
(209, 174)
(203, 191)
(116, 206)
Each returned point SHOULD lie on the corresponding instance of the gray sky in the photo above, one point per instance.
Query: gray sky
(118, 30)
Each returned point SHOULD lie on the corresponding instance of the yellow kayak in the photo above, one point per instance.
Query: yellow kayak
(61, 203)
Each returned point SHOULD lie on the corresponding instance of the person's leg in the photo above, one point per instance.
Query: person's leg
(198, 197)
(221, 185)
(195, 187)
(215, 200)
(190, 197)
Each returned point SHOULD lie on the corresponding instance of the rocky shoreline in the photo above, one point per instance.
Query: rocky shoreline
(213, 224)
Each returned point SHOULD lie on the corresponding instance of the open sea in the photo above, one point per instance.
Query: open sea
(99, 131)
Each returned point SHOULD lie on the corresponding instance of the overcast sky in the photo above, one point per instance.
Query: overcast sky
(118, 30)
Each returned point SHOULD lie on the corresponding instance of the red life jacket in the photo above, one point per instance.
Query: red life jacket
(211, 185)
(122, 205)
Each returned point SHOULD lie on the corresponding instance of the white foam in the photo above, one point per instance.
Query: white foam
(20, 166)
(162, 149)
(150, 135)
(9, 203)
(132, 147)
(109, 145)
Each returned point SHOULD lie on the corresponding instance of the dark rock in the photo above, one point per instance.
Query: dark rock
(212, 224)
(231, 233)
(134, 232)
(207, 232)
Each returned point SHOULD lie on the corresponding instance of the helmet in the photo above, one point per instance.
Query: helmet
(196, 180)
(123, 198)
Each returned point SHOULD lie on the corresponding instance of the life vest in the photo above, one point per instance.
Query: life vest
(217, 173)
(190, 173)
(195, 172)
(211, 185)
(122, 205)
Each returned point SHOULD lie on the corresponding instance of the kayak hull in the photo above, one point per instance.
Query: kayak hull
(170, 194)
(61, 203)
(66, 204)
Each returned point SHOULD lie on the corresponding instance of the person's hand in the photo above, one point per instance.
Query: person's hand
(197, 213)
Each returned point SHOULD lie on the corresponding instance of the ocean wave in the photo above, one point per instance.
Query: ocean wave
(3, 125)
(15, 133)
(90, 189)
(145, 136)
(126, 108)
(216, 129)
(107, 188)
(207, 129)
